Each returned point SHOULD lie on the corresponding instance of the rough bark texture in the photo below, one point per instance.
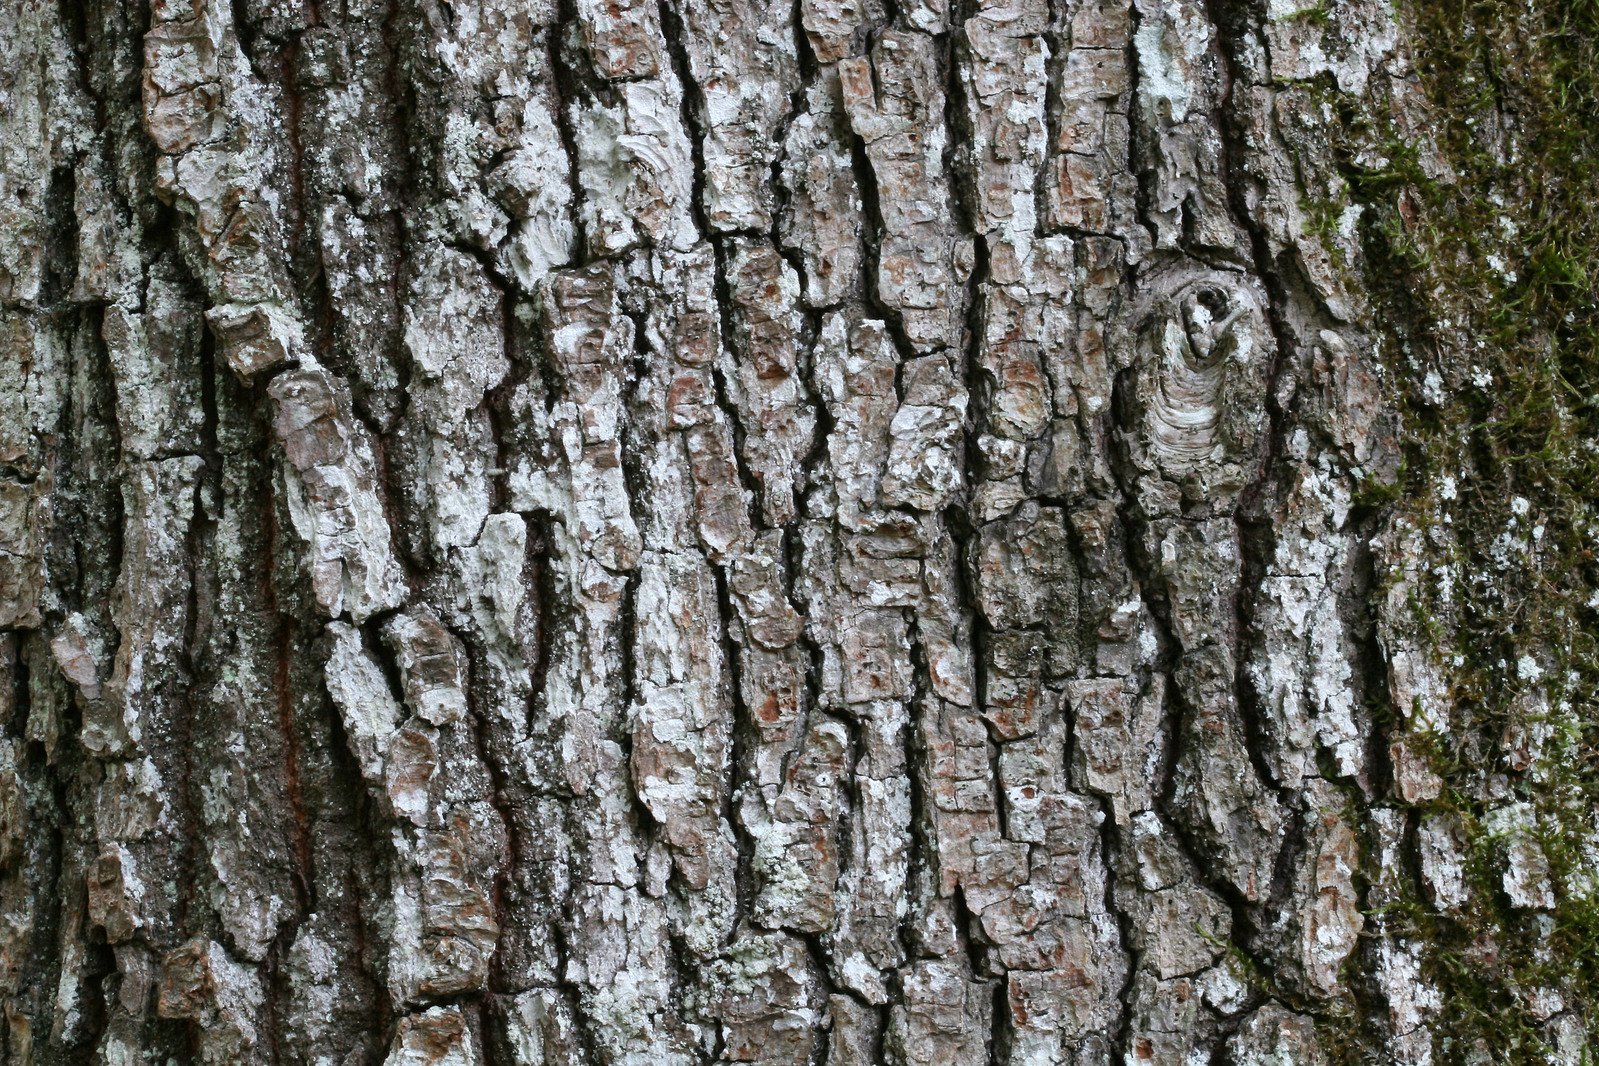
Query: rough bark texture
(772, 531)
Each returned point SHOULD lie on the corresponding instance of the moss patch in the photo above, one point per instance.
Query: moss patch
(1487, 278)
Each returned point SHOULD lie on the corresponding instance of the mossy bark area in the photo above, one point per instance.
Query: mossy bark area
(1488, 236)
(644, 531)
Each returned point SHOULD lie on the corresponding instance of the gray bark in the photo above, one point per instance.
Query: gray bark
(677, 531)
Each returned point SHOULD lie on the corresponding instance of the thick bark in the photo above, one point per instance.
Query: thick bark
(674, 531)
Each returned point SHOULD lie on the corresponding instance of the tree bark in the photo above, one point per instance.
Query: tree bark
(678, 531)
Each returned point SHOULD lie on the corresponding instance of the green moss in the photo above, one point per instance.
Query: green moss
(1490, 292)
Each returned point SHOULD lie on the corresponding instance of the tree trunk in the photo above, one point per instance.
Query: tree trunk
(848, 531)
